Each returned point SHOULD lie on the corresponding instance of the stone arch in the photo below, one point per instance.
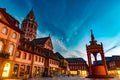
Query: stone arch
(92, 58)
(99, 57)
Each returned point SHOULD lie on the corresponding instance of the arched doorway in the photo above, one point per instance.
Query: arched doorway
(6, 70)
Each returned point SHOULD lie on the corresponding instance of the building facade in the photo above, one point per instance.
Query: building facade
(77, 66)
(114, 65)
(9, 39)
(21, 53)
(64, 65)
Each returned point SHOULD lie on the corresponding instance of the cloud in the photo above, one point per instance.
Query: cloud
(60, 47)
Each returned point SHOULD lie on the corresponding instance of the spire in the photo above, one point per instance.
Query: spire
(92, 36)
(31, 15)
(93, 41)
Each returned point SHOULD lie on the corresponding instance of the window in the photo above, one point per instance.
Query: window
(42, 60)
(16, 67)
(18, 54)
(4, 30)
(39, 59)
(6, 70)
(14, 35)
(0, 16)
(29, 56)
(24, 56)
(11, 48)
(1, 46)
(36, 58)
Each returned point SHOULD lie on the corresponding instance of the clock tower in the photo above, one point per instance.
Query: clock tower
(29, 27)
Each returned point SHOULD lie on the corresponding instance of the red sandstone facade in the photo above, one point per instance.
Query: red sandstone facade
(9, 39)
(77, 66)
(21, 53)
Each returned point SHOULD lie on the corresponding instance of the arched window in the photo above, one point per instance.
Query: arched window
(14, 35)
(11, 48)
(1, 46)
(4, 30)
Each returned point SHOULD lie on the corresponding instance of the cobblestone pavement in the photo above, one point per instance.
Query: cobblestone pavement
(59, 78)
(69, 78)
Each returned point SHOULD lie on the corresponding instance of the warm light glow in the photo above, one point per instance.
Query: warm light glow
(6, 70)
(83, 73)
(118, 71)
(63, 71)
(53, 68)
(73, 72)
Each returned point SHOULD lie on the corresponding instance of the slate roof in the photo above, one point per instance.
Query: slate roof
(11, 20)
(59, 55)
(31, 14)
(40, 40)
(72, 60)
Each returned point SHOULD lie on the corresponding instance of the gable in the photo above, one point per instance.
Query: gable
(48, 44)
(3, 19)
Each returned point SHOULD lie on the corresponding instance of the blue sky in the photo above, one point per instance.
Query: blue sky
(69, 23)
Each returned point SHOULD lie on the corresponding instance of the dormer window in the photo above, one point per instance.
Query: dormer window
(16, 24)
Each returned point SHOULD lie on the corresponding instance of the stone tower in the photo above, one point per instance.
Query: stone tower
(96, 70)
(29, 27)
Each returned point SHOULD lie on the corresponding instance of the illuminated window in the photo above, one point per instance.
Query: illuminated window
(14, 35)
(1, 46)
(4, 30)
(6, 70)
(11, 48)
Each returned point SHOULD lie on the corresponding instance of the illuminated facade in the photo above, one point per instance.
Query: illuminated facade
(9, 39)
(21, 53)
(64, 67)
(114, 66)
(78, 66)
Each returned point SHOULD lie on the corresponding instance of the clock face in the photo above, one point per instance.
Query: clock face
(14, 35)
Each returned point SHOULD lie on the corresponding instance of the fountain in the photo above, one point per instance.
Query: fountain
(96, 70)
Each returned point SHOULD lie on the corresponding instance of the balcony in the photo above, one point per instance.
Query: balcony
(4, 55)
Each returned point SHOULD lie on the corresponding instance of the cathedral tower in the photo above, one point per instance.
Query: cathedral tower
(29, 27)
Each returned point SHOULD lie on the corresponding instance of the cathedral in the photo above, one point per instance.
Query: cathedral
(21, 52)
